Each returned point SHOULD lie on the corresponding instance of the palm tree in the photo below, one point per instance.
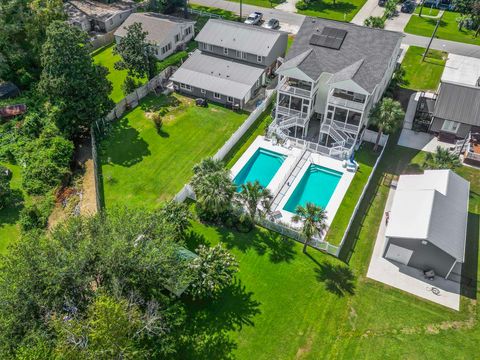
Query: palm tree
(215, 192)
(206, 166)
(314, 221)
(387, 116)
(252, 195)
(441, 159)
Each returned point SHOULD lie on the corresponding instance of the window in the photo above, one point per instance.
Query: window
(217, 96)
(166, 48)
(259, 58)
(239, 54)
(225, 51)
(177, 38)
(203, 46)
(156, 51)
(244, 55)
(210, 47)
(230, 99)
(188, 30)
(450, 126)
(186, 87)
(203, 91)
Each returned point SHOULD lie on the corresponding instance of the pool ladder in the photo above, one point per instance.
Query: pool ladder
(290, 178)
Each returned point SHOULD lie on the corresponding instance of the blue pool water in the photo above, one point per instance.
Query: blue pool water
(262, 166)
(316, 186)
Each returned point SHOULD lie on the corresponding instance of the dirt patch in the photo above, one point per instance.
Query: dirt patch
(305, 349)
(88, 202)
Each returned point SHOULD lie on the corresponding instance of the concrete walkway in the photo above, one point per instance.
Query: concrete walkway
(370, 8)
(291, 22)
(288, 6)
(407, 278)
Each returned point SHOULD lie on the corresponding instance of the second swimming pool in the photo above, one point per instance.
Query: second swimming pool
(316, 186)
(262, 166)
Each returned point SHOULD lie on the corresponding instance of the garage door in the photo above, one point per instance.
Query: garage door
(399, 254)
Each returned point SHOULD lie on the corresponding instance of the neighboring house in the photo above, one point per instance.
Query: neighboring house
(427, 223)
(334, 73)
(232, 62)
(8, 90)
(166, 34)
(97, 16)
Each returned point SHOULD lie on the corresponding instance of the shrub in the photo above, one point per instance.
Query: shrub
(5, 190)
(374, 22)
(33, 216)
(157, 120)
(301, 5)
(129, 85)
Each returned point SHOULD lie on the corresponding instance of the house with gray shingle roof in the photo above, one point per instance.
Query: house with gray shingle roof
(166, 34)
(232, 62)
(334, 73)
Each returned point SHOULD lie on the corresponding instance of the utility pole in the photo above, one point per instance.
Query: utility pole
(240, 10)
(421, 8)
(431, 39)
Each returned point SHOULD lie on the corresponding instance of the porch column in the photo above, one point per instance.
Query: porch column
(454, 263)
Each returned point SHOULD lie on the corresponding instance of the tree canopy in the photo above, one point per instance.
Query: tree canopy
(72, 81)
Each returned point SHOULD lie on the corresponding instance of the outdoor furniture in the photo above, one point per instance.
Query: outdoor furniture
(201, 102)
(276, 215)
(429, 274)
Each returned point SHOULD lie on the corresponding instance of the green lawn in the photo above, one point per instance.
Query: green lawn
(447, 30)
(366, 158)
(106, 58)
(142, 166)
(262, 3)
(287, 305)
(340, 10)
(423, 75)
(9, 229)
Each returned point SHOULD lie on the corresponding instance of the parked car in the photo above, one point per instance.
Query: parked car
(273, 24)
(382, 3)
(408, 6)
(254, 18)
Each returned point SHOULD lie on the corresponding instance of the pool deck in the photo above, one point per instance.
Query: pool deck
(337, 196)
(292, 156)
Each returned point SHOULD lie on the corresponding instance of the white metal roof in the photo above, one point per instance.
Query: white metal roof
(217, 74)
(242, 37)
(432, 207)
(461, 69)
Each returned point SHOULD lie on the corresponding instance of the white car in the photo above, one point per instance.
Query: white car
(254, 18)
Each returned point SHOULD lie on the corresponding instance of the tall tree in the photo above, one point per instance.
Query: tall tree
(387, 115)
(136, 53)
(72, 81)
(23, 25)
(253, 195)
(313, 219)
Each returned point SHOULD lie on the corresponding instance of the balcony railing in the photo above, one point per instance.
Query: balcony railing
(343, 125)
(291, 112)
(285, 86)
(332, 99)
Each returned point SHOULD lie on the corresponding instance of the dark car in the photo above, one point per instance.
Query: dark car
(382, 3)
(272, 24)
(408, 7)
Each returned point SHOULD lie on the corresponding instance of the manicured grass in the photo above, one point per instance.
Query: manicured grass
(288, 305)
(106, 58)
(257, 129)
(366, 158)
(143, 166)
(447, 30)
(262, 3)
(341, 10)
(9, 216)
(202, 20)
(423, 75)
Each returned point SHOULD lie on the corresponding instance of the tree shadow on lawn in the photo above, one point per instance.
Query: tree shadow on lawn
(10, 214)
(468, 284)
(124, 146)
(338, 279)
(205, 335)
(339, 7)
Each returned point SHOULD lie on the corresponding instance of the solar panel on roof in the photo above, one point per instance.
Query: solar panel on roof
(331, 38)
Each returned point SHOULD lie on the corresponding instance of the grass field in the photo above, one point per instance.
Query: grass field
(423, 75)
(447, 30)
(262, 3)
(335, 10)
(366, 158)
(287, 305)
(142, 166)
(9, 216)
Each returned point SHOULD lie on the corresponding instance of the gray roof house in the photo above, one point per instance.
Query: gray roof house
(334, 73)
(96, 16)
(166, 34)
(428, 223)
(231, 62)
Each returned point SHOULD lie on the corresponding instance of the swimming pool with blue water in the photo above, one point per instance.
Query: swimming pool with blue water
(262, 166)
(317, 186)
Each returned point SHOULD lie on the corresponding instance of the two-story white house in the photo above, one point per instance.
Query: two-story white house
(334, 73)
(166, 34)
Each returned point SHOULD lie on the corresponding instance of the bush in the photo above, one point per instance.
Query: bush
(301, 5)
(374, 22)
(157, 120)
(129, 85)
(5, 190)
(34, 216)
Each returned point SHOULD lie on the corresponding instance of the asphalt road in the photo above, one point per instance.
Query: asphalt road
(291, 22)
